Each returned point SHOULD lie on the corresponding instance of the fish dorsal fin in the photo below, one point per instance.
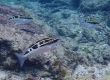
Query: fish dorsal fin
(43, 42)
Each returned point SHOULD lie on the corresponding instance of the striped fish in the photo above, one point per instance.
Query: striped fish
(37, 49)
(19, 19)
(90, 22)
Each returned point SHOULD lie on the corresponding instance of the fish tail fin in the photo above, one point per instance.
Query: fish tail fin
(81, 20)
(21, 59)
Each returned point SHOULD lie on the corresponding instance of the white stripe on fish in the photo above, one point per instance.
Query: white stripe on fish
(37, 49)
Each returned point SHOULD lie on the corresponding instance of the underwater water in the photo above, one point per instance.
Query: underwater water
(54, 40)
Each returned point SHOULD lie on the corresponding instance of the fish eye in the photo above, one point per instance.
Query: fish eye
(13, 17)
(30, 49)
(41, 42)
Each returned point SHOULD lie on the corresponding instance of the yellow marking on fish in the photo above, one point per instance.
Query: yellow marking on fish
(92, 20)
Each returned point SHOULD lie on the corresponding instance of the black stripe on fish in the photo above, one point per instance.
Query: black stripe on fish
(31, 45)
(26, 52)
(93, 22)
(35, 47)
(19, 17)
(24, 18)
(45, 41)
(49, 42)
(16, 16)
(40, 43)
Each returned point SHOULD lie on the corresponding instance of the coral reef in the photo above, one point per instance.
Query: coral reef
(82, 46)
(83, 42)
